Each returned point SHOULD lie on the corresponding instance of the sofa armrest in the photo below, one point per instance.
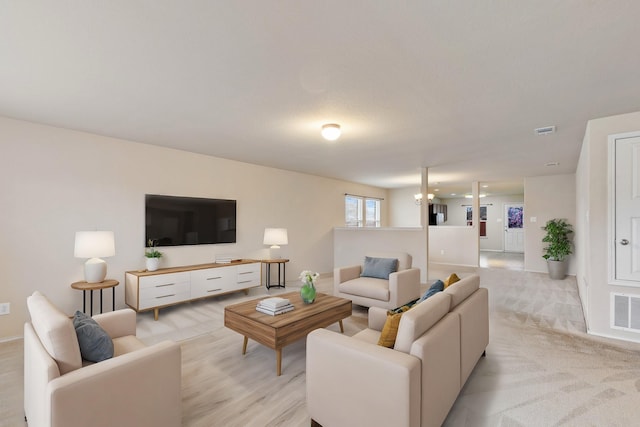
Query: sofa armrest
(119, 323)
(342, 274)
(377, 318)
(138, 388)
(404, 286)
(346, 375)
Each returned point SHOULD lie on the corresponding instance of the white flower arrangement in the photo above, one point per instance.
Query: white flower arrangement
(308, 276)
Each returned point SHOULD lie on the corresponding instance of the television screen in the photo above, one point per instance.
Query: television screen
(175, 221)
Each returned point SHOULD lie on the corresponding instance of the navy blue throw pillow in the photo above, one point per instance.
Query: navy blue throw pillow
(95, 344)
(380, 268)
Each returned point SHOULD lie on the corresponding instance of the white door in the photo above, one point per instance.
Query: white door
(627, 208)
(514, 227)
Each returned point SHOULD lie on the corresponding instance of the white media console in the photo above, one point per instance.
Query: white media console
(153, 290)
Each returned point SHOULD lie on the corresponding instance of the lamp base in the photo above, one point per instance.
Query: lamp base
(95, 270)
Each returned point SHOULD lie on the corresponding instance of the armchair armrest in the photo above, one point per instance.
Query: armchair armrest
(342, 274)
(138, 388)
(345, 373)
(404, 286)
(119, 323)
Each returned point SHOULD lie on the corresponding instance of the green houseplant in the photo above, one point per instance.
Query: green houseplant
(559, 247)
(152, 256)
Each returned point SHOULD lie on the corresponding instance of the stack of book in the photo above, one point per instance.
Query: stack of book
(274, 306)
(223, 259)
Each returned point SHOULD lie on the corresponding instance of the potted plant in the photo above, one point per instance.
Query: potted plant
(558, 247)
(152, 256)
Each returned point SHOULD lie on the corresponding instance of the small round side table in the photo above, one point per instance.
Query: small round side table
(85, 286)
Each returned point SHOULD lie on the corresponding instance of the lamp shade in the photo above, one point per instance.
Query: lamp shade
(94, 244)
(275, 237)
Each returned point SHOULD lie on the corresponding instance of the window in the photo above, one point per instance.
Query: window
(361, 211)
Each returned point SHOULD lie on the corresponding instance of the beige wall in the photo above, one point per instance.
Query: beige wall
(545, 198)
(592, 198)
(56, 182)
(352, 244)
(403, 211)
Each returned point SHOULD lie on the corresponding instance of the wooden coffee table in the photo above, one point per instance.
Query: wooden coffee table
(279, 331)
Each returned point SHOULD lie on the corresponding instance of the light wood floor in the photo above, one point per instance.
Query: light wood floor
(541, 368)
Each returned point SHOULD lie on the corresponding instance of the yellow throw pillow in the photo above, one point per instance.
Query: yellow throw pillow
(390, 328)
(451, 280)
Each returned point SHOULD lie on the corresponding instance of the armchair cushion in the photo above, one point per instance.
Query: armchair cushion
(95, 343)
(379, 268)
(367, 287)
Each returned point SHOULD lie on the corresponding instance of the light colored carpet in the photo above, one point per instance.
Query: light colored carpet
(541, 368)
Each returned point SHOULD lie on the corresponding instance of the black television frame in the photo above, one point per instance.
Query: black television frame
(187, 221)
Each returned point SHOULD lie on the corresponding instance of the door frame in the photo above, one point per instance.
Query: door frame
(611, 209)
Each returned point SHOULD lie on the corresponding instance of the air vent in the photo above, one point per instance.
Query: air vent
(625, 312)
(545, 130)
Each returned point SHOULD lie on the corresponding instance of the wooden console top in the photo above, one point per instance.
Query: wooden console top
(142, 273)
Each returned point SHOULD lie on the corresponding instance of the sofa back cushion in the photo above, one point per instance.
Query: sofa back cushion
(462, 289)
(404, 259)
(56, 333)
(419, 319)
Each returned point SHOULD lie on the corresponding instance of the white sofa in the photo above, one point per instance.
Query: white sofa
(402, 286)
(352, 381)
(139, 386)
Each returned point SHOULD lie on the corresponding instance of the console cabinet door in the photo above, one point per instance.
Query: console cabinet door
(212, 281)
(163, 289)
(248, 275)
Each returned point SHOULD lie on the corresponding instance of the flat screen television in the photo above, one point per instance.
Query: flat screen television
(176, 221)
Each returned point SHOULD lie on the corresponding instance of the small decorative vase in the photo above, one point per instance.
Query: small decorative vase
(152, 264)
(308, 293)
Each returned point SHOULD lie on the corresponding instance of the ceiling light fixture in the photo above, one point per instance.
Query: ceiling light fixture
(331, 131)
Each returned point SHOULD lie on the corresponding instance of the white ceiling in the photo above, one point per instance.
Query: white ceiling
(457, 86)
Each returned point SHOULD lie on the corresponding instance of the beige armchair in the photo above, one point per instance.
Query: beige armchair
(140, 385)
(402, 286)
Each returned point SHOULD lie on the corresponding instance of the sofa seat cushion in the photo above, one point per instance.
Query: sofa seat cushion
(368, 335)
(420, 319)
(366, 287)
(126, 344)
(463, 289)
(56, 333)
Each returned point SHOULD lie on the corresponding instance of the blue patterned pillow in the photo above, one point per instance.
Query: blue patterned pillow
(380, 268)
(438, 286)
(95, 344)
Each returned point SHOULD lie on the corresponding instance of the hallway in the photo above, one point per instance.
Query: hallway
(503, 260)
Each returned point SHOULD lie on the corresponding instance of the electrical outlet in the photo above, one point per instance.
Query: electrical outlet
(5, 308)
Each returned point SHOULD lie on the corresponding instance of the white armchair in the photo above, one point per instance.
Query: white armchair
(139, 386)
(402, 286)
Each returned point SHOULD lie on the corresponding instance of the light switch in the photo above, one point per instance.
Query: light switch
(533, 219)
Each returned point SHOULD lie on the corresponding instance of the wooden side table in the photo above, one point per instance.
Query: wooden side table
(281, 263)
(85, 286)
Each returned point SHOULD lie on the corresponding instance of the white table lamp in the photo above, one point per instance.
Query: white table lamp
(275, 237)
(94, 245)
